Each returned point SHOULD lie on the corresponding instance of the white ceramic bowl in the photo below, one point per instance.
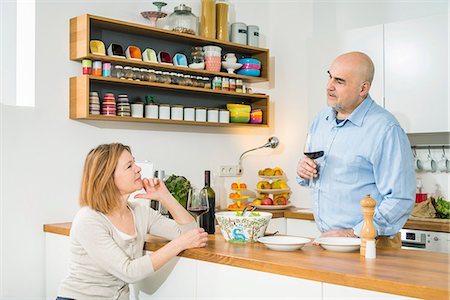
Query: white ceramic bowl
(340, 244)
(200, 66)
(231, 66)
(284, 242)
(212, 48)
(242, 229)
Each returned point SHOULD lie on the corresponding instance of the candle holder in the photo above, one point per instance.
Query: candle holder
(153, 16)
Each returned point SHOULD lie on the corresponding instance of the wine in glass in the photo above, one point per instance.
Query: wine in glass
(198, 203)
(313, 183)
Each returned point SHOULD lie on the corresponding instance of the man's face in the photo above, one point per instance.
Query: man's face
(344, 87)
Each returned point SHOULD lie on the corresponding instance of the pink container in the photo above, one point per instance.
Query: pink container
(213, 66)
(213, 58)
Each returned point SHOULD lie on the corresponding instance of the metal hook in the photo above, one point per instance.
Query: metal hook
(429, 150)
(414, 150)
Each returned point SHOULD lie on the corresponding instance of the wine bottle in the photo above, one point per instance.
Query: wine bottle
(207, 220)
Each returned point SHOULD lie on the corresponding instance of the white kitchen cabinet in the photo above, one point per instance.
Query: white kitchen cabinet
(332, 291)
(303, 228)
(56, 262)
(216, 281)
(325, 48)
(416, 78)
(277, 224)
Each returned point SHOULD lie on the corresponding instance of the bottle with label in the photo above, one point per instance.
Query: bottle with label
(207, 220)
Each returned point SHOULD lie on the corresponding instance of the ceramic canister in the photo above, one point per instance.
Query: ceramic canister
(189, 114)
(97, 68)
(253, 35)
(213, 115)
(176, 112)
(164, 112)
(87, 66)
(200, 114)
(106, 69)
(151, 111)
(224, 116)
(239, 33)
(137, 110)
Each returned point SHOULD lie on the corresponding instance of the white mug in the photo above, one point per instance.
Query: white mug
(417, 162)
(444, 164)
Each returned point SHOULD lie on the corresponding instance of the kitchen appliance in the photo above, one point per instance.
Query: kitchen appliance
(425, 240)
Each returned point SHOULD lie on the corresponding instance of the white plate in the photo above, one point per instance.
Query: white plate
(272, 177)
(273, 191)
(284, 242)
(340, 244)
(273, 207)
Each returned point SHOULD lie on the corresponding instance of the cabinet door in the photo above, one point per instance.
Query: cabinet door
(332, 291)
(56, 262)
(303, 228)
(324, 49)
(416, 80)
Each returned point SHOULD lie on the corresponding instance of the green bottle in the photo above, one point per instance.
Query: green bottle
(207, 220)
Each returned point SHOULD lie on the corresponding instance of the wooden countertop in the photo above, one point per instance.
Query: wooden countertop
(411, 273)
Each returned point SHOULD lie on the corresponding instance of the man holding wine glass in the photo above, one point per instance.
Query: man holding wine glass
(355, 148)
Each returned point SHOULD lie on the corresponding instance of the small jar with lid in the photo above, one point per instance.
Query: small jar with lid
(166, 77)
(159, 76)
(217, 83)
(194, 81)
(239, 85)
(137, 74)
(189, 113)
(118, 72)
(197, 55)
(144, 74)
(207, 82)
(188, 81)
(224, 116)
(174, 78)
(128, 73)
(199, 82)
(151, 75)
(200, 114)
(183, 20)
(232, 87)
(225, 84)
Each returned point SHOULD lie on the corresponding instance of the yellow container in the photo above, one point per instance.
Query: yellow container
(239, 108)
(208, 19)
(239, 117)
(222, 20)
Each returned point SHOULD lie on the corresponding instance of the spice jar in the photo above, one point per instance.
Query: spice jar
(225, 84)
(128, 73)
(159, 77)
(151, 75)
(232, 85)
(117, 72)
(197, 55)
(144, 75)
(239, 86)
(87, 66)
(106, 69)
(217, 83)
(137, 74)
(183, 20)
(166, 77)
(200, 82)
(97, 68)
(207, 82)
(187, 79)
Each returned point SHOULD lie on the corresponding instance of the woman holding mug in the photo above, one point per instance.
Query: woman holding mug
(108, 232)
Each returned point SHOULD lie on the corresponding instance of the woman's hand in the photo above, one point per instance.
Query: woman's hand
(155, 189)
(194, 238)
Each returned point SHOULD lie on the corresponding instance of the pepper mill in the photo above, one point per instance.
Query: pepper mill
(368, 231)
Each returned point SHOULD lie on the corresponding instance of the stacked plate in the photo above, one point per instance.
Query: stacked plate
(94, 103)
(109, 105)
(123, 106)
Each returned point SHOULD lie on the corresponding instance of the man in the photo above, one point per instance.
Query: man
(365, 152)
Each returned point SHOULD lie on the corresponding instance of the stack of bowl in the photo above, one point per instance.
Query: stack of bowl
(239, 113)
(213, 55)
(250, 67)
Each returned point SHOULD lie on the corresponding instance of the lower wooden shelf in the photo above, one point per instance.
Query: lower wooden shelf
(80, 87)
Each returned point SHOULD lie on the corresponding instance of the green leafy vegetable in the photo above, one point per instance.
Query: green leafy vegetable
(179, 187)
(442, 207)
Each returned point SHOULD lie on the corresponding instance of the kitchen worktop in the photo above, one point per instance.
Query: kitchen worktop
(409, 273)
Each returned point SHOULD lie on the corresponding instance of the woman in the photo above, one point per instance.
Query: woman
(108, 232)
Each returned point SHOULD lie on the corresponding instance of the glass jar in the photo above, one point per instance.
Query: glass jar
(166, 77)
(137, 75)
(193, 80)
(174, 78)
(200, 82)
(144, 75)
(118, 72)
(225, 84)
(217, 83)
(239, 84)
(187, 79)
(183, 20)
(151, 75)
(128, 73)
(207, 82)
(222, 20)
(197, 55)
(159, 76)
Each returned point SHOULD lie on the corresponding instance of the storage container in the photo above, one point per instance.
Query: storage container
(253, 35)
(183, 20)
(176, 112)
(164, 111)
(213, 115)
(239, 33)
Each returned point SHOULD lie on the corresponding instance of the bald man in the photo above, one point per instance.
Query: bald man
(365, 152)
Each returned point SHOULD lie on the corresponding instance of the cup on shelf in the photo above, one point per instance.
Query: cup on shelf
(430, 164)
(443, 165)
(418, 165)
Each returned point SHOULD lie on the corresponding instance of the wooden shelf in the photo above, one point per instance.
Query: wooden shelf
(87, 27)
(81, 85)
(82, 28)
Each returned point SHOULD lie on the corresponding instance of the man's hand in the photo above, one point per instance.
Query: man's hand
(306, 168)
(338, 232)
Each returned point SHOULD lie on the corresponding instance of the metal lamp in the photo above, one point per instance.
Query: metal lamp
(271, 143)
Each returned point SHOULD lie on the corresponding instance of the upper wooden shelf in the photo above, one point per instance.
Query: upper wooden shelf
(85, 27)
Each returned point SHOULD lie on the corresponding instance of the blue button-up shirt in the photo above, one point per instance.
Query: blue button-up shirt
(368, 153)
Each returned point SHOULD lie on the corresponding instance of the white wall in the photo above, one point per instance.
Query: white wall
(43, 150)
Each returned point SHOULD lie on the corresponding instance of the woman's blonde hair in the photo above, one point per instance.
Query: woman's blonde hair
(98, 190)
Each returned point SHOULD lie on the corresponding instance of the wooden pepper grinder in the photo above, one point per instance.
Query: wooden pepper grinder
(368, 231)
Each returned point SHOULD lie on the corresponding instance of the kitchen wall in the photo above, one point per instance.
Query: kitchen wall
(42, 150)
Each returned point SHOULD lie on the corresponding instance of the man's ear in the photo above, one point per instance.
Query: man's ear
(365, 87)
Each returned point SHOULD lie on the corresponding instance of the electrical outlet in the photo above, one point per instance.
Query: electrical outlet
(229, 171)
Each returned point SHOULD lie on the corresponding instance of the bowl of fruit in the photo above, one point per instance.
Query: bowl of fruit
(239, 228)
